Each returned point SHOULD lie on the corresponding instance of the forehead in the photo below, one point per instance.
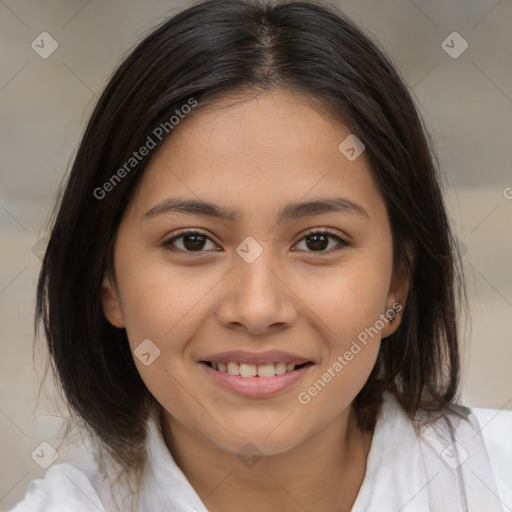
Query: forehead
(257, 154)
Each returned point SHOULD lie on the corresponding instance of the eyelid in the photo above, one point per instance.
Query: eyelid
(187, 231)
(320, 230)
(342, 240)
(167, 242)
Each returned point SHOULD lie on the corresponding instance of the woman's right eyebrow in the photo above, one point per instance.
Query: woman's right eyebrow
(288, 212)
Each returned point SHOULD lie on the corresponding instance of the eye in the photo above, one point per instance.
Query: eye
(189, 240)
(318, 241)
(195, 241)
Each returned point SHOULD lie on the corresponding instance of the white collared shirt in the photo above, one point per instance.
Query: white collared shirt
(395, 480)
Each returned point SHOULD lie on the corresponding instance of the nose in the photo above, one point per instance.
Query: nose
(257, 299)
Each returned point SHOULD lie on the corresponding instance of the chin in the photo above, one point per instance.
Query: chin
(260, 442)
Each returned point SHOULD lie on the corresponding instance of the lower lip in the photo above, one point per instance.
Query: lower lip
(256, 387)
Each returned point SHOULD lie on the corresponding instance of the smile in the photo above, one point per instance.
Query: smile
(255, 381)
(253, 370)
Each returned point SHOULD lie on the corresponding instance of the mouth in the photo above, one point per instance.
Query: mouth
(255, 381)
(253, 370)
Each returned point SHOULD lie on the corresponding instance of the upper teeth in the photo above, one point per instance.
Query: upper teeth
(251, 370)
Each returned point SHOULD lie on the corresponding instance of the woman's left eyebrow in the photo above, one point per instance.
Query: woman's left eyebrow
(288, 212)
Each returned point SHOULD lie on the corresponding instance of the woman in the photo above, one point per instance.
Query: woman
(250, 292)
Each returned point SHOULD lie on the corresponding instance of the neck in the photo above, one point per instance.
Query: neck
(324, 472)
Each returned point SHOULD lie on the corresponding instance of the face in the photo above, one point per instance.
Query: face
(266, 286)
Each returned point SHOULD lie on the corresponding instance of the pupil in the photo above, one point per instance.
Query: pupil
(196, 244)
(315, 246)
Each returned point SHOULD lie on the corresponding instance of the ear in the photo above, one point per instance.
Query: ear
(110, 303)
(397, 297)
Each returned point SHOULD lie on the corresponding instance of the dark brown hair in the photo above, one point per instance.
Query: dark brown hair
(218, 48)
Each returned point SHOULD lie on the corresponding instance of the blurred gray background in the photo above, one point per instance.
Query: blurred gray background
(465, 97)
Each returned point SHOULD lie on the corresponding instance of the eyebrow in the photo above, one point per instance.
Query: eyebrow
(288, 212)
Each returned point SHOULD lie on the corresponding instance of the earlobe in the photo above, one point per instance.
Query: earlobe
(398, 293)
(395, 304)
(393, 316)
(110, 303)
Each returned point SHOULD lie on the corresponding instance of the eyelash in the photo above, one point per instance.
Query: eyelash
(318, 231)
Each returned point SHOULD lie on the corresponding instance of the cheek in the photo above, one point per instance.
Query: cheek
(351, 327)
(337, 383)
(160, 302)
(162, 307)
(350, 313)
(354, 298)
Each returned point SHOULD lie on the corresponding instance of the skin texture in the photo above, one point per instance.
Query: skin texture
(255, 157)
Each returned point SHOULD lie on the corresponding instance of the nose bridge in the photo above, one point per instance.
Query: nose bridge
(259, 296)
(258, 268)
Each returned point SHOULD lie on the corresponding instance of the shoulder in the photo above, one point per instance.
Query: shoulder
(65, 486)
(487, 451)
(465, 445)
(496, 429)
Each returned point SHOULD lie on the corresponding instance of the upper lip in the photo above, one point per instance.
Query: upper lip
(256, 358)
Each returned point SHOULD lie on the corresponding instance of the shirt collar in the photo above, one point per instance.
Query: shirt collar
(165, 484)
